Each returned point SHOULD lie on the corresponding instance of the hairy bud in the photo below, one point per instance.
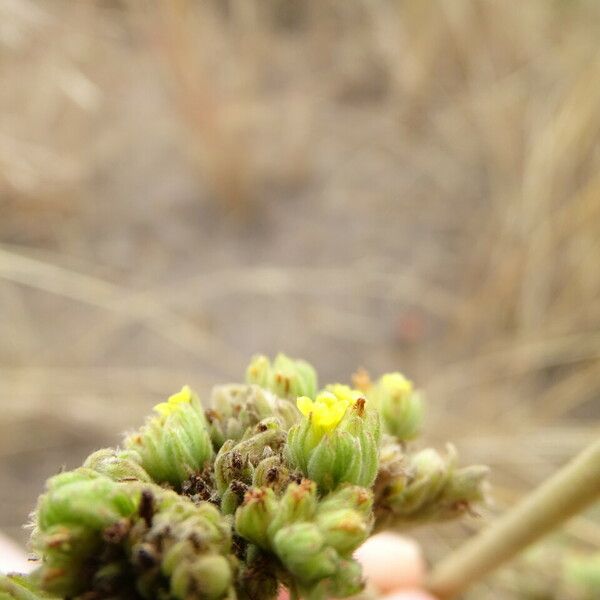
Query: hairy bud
(285, 377)
(123, 465)
(175, 443)
(400, 406)
(252, 519)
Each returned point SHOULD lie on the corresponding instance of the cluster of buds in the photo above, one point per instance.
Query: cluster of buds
(426, 486)
(129, 539)
(276, 483)
(237, 407)
(242, 464)
(313, 538)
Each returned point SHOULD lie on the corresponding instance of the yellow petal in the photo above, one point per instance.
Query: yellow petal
(345, 393)
(170, 406)
(305, 405)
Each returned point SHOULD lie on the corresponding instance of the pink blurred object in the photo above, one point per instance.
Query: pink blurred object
(12, 557)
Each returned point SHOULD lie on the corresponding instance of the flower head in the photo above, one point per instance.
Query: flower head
(337, 440)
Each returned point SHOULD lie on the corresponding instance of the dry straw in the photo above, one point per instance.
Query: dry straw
(569, 491)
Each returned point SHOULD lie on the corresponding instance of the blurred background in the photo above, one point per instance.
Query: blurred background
(409, 185)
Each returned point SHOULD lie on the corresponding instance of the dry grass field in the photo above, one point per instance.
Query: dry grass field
(394, 185)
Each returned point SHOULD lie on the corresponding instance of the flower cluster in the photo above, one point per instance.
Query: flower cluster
(140, 540)
(277, 482)
(312, 538)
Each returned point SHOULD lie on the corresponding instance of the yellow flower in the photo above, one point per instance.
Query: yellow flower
(165, 409)
(327, 410)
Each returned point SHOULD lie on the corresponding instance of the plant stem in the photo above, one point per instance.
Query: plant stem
(566, 493)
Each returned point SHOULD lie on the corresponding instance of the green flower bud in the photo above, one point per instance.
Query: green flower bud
(213, 576)
(272, 472)
(354, 497)
(85, 498)
(286, 377)
(231, 465)
(345, 517)
(176, 443)
(208, 577)
(233, 497)
(400, 406)
(343, 529)
(183, 549)
(117, 465)
(252, 519)
(362, 422)
(302, 550)
(298, 503)
(466, 485)
(236, 408)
